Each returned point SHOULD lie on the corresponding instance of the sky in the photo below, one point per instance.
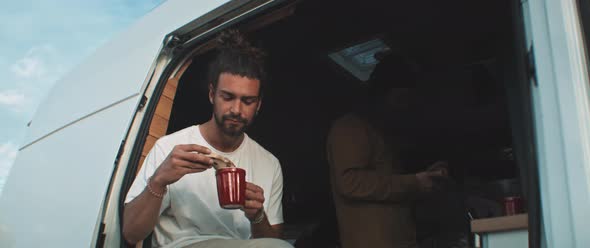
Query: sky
(40, 41)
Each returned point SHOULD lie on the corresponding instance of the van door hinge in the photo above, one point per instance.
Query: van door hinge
(172, 40)
(142, 103)
(173, 43)
(531, 67)
(120, 152)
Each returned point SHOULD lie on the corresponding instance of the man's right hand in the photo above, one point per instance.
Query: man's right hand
(182, 160)
(426, 178)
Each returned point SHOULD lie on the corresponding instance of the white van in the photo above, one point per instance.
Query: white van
(89, 137)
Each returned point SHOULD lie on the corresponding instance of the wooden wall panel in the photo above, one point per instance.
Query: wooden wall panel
(170, 89)
(149, 143)
(164, 107)
(158, 126)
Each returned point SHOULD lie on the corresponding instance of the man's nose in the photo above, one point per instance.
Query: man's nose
(236, 107)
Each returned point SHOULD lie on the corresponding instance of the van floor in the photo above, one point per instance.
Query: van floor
(463, 117)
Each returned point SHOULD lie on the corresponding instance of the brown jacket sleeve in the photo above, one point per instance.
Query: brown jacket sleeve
(353, 174)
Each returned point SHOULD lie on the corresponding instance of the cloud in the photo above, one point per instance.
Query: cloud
(8, 153)
(29, 77)
(11, 98)
(14, 100)
(29, 67)
(34, 64)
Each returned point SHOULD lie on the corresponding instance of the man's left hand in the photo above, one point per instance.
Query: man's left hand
(254, 200)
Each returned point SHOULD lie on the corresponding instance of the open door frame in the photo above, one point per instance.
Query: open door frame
(561, 115)
(519, 80)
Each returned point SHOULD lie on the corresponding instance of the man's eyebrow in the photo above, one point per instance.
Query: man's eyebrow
(226, 92)
(243, 97)
(250, 97)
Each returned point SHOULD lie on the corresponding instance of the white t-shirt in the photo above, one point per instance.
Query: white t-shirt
(190, 211)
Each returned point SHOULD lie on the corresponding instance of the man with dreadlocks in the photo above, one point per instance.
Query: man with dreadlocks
(175, 195)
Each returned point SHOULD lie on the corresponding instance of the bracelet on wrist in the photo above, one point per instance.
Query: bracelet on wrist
(259, 218)
(154, 193)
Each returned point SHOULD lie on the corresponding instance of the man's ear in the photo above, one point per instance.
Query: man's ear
(211, 93)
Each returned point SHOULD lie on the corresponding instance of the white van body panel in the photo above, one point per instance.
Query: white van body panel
(115, 71)
(55, 192)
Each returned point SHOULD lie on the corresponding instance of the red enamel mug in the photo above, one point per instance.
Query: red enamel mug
(231, 187)
(512, 205)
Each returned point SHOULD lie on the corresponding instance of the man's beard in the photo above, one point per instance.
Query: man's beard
(231, 129)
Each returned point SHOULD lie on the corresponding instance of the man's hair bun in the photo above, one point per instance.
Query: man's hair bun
(233, 41)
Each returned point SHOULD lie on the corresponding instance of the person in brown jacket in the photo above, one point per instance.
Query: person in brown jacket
(372, 196)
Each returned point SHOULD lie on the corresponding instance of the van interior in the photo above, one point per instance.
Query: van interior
(320, 54)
